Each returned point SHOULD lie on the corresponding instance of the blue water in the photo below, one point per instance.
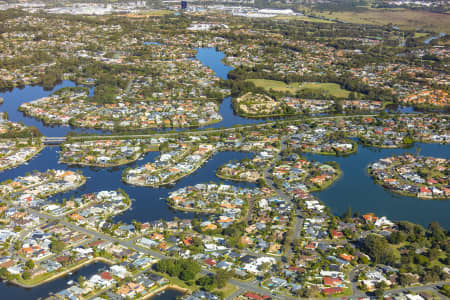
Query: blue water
(152, 43)
(428, 40)
(357, 190)
(15, 97)
(149, 203)
(10, 291)
(213, 59)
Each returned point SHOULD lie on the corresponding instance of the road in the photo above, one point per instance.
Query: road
(96, 234)
(214, 130)
(298, 222)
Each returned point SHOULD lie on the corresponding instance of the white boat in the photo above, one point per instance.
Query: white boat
(70, 282)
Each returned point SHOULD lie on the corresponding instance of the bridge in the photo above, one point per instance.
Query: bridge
(53, 140)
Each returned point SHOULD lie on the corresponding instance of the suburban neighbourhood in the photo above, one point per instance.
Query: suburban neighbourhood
(224, 150)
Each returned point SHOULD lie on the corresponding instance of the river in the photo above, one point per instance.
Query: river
(428, 40)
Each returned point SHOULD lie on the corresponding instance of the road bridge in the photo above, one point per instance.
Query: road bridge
(53, 140)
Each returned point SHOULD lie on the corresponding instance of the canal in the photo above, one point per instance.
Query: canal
(11, 291)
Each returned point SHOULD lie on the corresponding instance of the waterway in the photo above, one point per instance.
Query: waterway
(213, 59)
(15, 97)
(356, 189)
(148, 203)
(428, 40)
(11, 291)
(208, 56)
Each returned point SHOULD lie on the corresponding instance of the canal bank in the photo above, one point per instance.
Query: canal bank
(12, 291)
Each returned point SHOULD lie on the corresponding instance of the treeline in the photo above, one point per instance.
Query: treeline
(28, 132)
(382, 250)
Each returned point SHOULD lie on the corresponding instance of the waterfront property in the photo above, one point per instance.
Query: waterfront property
(416, 176)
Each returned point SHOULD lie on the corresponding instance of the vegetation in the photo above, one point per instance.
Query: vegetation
(379, 250)
(324, 89)
(184, 269)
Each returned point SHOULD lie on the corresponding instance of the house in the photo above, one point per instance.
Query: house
(253, 296)
(337, 234)
(332, 290)
(332, 281)
(119, 271)
(210, 262)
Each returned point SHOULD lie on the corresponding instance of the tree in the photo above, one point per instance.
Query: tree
(207, 283)
(379, 293)
(3, 273)
(26, 275)
(436, 232)
(186, 275)
(379, 250)
(396, 237)
(222, 278)
(185, 269)
(406, 279)
(433, 253)
(29, 264)
(348, 214)
(57, 246)
(81, 280)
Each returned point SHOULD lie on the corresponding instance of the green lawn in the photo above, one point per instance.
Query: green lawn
(303, 18)
(404, 18)
(157, 13)
(420, 34)
(331, 88)
(227, 290)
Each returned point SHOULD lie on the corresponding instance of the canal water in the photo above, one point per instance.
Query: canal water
(428, 40)
(11, 291)
(15, 97)
(148, 203)
(354, 189)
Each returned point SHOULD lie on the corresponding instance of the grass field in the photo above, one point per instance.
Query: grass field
(227, 290)
(404, 18)
(148, 13)
(420, 34)
(331, 88)
(158, 12)
(303, 18)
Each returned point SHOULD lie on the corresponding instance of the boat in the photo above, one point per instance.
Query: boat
(70, 282)
(70, 273)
